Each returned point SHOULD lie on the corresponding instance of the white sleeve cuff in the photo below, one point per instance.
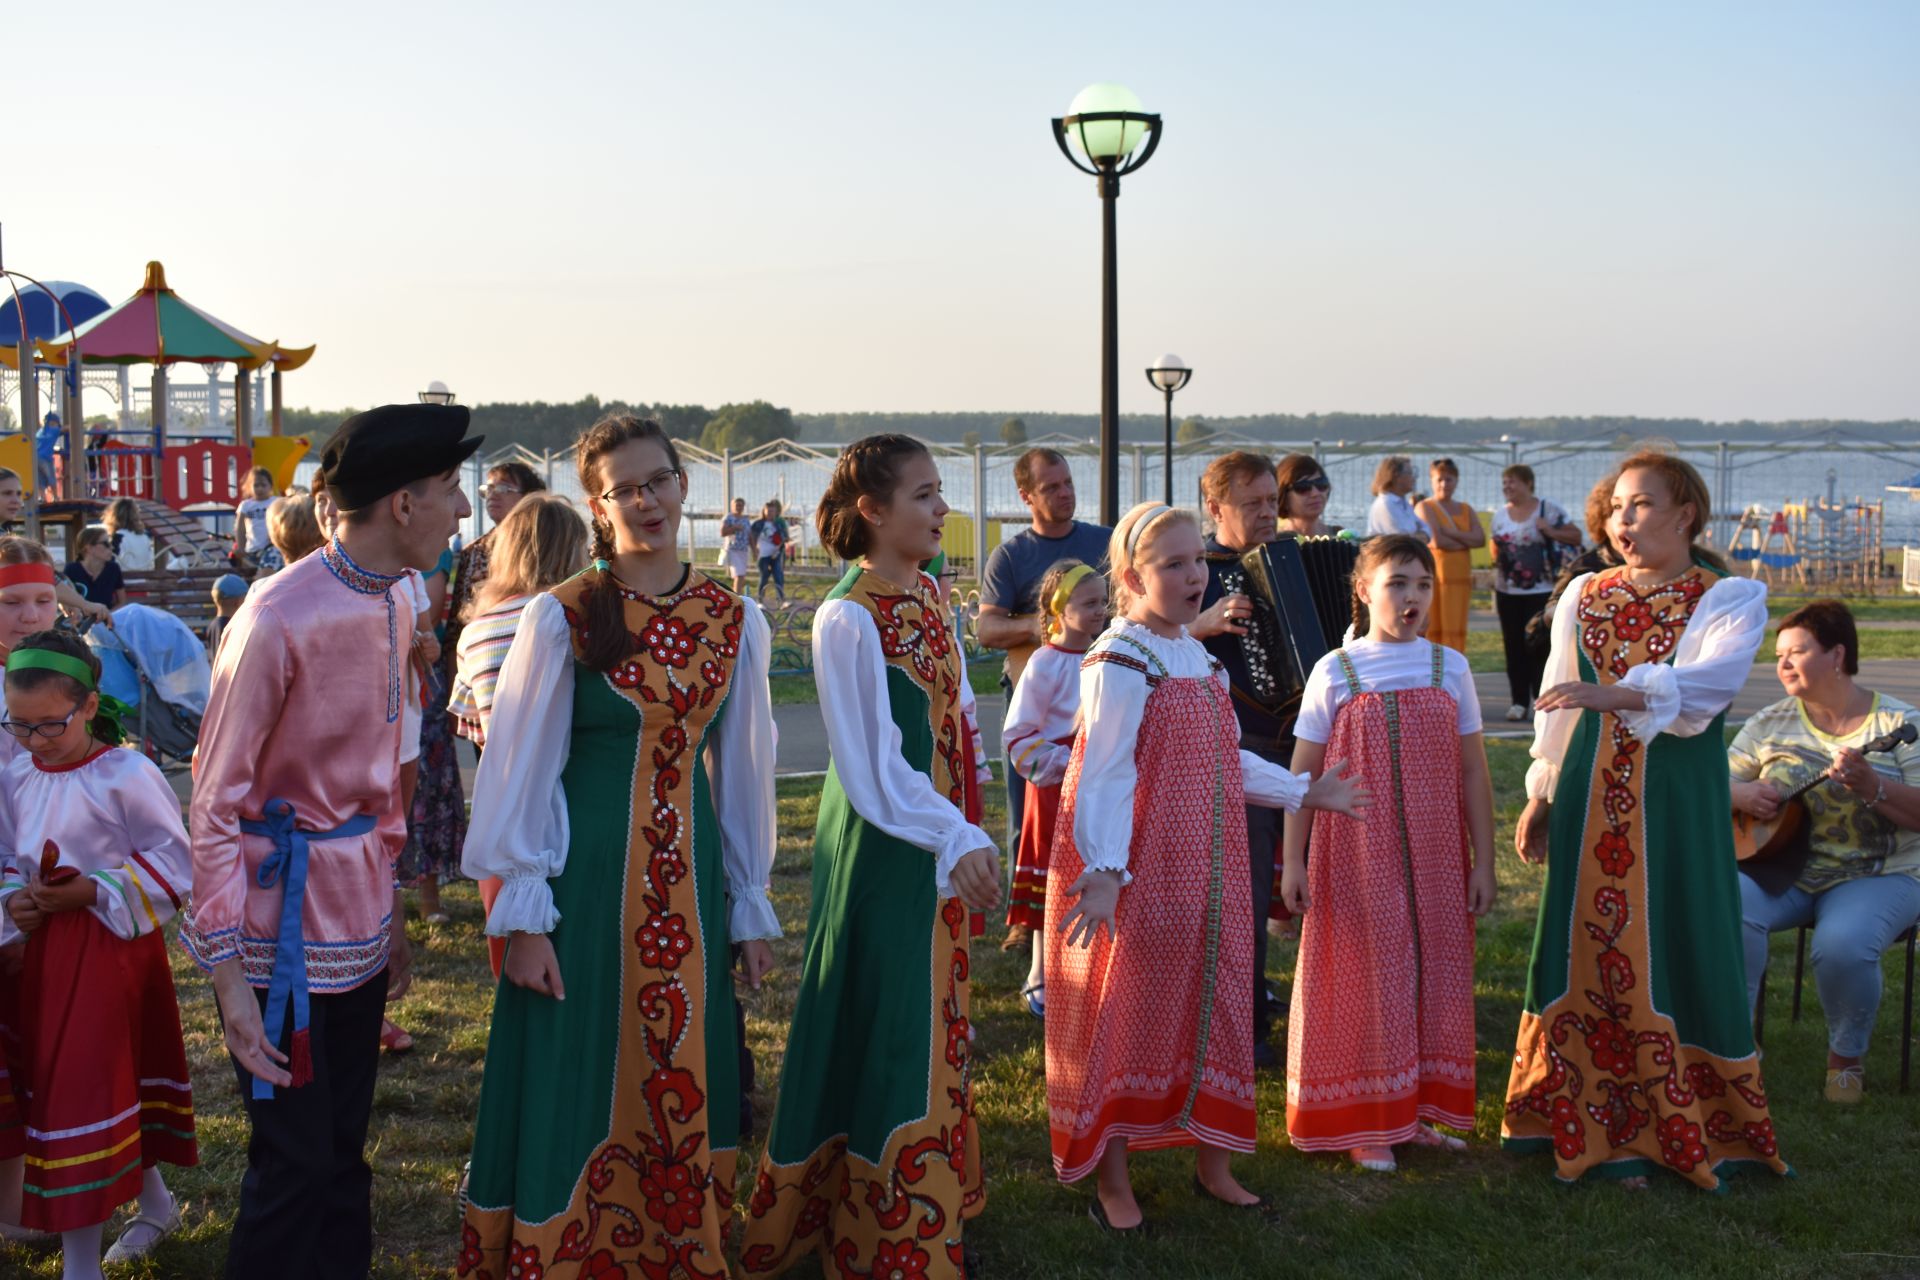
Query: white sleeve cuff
(1656, 682)
(1543, 776)
(750, 915)
(525, 905)
(965, 839)
(1101, 864)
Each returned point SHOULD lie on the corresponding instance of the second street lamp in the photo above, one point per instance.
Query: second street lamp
(1104, 124)
(1169, 374)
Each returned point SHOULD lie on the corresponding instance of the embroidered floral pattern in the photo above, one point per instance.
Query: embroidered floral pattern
(1643, 1080)
(649, 1188)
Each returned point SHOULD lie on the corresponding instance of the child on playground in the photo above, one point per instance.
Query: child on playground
(229, 593)
(252, 544)
(1380, 1044)
(94, 864)
(1041, 718)
(1149, 1040)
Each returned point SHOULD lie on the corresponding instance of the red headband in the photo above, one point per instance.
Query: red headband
(14, 575)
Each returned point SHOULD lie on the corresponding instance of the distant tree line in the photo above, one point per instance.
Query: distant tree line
(539, 425)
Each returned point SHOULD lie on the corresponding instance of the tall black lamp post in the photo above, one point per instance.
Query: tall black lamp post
(1104, 124)
(1169, 374)
(436, 393)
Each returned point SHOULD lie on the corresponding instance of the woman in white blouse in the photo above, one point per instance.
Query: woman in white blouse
(1391, 511)
(1635, 1050)
(625, 801)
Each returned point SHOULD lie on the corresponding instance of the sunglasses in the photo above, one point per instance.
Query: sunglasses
(1310, 484)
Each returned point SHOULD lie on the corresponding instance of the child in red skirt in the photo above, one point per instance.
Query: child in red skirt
(1038, 735)
(1380, 1043)
(1146, 1046)
(97, 864)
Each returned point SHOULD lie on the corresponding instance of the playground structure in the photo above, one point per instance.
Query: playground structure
(60, 332)
(1822, 544)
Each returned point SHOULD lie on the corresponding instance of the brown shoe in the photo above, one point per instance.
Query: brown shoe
(1019, 938)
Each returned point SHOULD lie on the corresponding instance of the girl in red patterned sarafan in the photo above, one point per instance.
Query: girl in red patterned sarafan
(1380, 1043)
(1146, 1045)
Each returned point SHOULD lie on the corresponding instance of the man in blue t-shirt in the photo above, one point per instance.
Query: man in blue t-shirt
(1010, 588)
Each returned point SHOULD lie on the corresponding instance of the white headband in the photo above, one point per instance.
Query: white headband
(1140, 526)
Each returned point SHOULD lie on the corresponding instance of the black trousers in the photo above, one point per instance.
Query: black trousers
(1263, 844)
(1523, 669)
(306, 1203)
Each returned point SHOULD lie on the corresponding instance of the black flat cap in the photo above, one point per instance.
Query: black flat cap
(384, 449)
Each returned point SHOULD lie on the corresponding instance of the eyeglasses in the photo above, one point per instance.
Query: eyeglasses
(628, 495)
(46, 728)
(499, 490)
(1310, 484)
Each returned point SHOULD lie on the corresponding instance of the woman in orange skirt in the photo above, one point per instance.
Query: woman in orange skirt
(1456, 532)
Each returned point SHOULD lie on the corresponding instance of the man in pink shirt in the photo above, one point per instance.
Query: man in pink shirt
(296, 824)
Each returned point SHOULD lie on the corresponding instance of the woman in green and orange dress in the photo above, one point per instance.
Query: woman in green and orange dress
(626, 802)
(1635, 1049)
(873, 1159)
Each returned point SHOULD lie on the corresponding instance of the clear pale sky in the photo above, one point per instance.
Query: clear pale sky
(1686, 209)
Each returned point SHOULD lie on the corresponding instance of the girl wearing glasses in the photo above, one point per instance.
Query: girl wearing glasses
(95, 864)
(625, 800)
(876, 1092)
(1304, 490)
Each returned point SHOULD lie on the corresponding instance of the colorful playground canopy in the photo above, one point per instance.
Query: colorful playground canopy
(158, 326)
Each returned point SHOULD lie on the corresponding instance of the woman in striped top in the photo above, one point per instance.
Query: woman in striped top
(541, 543)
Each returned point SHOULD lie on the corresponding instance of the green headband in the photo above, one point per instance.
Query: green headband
(48, 660)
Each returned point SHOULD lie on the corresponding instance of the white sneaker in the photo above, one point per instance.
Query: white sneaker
(146, 1233)
(1516, 712)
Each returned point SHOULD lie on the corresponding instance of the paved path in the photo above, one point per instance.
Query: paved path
(803, 736)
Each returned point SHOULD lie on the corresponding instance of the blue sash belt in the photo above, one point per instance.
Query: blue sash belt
(288, 864)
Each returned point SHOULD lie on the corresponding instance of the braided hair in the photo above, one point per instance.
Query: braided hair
(607, 643)
(868, 468)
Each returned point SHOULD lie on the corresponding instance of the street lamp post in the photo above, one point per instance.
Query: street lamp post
(1169, 374)
(436, 393)
(1104, 124)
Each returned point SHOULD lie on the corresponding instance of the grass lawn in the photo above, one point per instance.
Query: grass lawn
(1849, 1212)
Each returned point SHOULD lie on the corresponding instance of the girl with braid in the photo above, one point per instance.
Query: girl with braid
(625, 801)
(873, 1160)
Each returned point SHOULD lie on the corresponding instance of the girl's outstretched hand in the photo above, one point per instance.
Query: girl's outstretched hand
(756, 961)
(1482, 889)
(532, 964)
(1339, 790)
(1096, 896)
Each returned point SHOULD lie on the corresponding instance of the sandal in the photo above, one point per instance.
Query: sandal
(1258, 1201)
(1428, 1136)
(125, 1250)
(1098, 1212)
(1035, 996)
(394, 1039)
(1377, 1159)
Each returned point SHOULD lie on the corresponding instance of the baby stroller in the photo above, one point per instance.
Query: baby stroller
(153, 662)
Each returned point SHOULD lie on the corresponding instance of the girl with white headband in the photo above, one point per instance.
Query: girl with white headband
(1149, 1043)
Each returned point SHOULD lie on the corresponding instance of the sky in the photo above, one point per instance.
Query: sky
(1676, 209)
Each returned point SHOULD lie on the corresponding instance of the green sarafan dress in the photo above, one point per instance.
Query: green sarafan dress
(873, 1161)
(605, 1144)
(1636, 1049)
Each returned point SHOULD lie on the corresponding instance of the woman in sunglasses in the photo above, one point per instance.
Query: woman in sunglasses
(1304, 490)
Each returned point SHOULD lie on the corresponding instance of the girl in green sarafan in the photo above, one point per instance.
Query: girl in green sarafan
(873, 1161)
(626, 803)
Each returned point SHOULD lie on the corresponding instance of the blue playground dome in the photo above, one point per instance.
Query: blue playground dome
(44, 320)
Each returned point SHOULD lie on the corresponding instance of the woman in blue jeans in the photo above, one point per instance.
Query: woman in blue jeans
(1860, 889)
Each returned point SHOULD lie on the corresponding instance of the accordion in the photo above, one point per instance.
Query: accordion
(1301, 591)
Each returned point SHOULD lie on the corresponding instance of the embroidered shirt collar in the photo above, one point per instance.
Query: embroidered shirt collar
(352, 574)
